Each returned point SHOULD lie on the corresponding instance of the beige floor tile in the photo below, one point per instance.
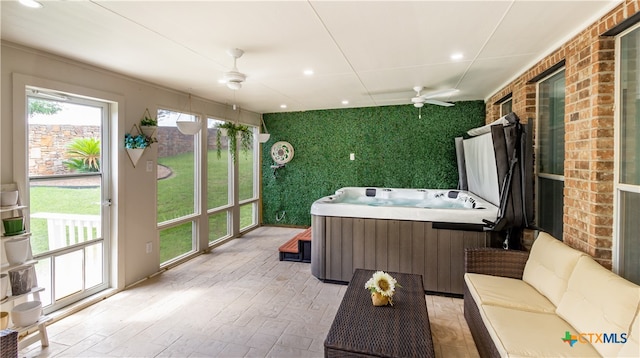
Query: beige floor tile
(236, 301)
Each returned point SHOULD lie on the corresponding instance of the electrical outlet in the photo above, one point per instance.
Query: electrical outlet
(352, 156)
(149, 165)
(149, 247)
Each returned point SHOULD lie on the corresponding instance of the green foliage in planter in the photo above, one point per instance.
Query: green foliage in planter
(393, 148)
(84, 155)
(246, 138)
(147, 120)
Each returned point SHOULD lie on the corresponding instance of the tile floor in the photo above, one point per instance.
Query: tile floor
(237, 301)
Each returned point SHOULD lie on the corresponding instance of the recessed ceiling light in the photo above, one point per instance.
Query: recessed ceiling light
(283, 106)
(345, 102)
(457, 56)
(308, 72)
(31, 3)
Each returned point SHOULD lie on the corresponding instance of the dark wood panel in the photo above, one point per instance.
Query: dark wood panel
(396, 246)
(382, 248)
(456, 262)
(358, 243)
(347, 249)
(334, 249)
(393, 236)
(417, 248)
(406, 242)
(370, 244)
(444, 260)
(431, 258)
(318, 243)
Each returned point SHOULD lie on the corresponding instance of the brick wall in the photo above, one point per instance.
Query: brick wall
(589, 129)
(49, 146)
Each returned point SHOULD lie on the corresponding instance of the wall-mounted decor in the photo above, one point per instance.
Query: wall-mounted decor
(149, 125)
(135, 142)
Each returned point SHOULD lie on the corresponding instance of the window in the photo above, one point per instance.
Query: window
(229, 194)
(177, 188)
(627, 163)
(505, 107)
(550, 145)
(219, 195)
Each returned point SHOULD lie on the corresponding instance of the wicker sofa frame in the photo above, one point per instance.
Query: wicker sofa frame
(495, 262)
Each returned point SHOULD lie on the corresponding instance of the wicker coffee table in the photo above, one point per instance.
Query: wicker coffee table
(363, 330)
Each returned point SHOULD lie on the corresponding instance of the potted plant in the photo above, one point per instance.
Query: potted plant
(135, 145)
(148, 124)
(233, 132)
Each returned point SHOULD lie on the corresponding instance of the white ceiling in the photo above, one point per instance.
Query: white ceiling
(370, 53)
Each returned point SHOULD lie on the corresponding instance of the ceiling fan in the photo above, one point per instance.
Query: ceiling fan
(234, 79)
(420, 99)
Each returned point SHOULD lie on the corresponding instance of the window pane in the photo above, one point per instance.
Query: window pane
(630, 113)
(550, 206)
(176, 241)
(247, 215)
(43, 273)
(218, 226)
(505, 107)
(68, 272)
(217, 168)
(93, 265)
(246, 165)
(551, 124)
(64, 212)
(176, 179)
(629, 239)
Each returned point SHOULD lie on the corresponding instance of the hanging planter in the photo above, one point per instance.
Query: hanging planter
(263, 137)
(135, 143)
(149, 125)
(234, 132)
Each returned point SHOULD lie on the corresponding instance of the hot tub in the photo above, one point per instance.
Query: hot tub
(449, 206)
(422, 231)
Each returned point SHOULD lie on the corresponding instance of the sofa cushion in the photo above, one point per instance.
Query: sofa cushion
(599, 301)
(518, 333)
(549, 266)
(631, 347)
(506, 292)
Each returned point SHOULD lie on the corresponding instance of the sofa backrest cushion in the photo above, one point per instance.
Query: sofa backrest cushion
(549, 266)
(631, 347)
(599, 301)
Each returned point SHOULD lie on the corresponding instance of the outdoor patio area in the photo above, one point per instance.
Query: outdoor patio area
(238, 301)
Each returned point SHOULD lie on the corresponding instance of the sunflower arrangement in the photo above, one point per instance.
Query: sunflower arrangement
(382, 284)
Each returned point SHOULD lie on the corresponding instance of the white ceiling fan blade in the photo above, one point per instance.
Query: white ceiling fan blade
(440, 93)
(438, 103)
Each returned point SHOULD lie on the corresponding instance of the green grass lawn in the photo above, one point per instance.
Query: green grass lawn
(175, 199)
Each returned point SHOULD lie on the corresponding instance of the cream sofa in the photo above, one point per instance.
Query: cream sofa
(520, 304)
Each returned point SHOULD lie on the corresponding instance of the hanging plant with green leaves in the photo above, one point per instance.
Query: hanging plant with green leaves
(233, 130)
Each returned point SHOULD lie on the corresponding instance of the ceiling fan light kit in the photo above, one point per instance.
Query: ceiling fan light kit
(420, 99)
(234, 78)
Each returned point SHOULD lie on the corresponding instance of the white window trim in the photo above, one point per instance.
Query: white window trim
(617, 186)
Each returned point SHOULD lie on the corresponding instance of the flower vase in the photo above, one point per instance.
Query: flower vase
(378, 299)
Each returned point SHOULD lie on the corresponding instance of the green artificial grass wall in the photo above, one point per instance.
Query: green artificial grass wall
(392, 147)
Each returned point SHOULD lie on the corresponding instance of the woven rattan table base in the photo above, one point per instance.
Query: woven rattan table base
(363, 330)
